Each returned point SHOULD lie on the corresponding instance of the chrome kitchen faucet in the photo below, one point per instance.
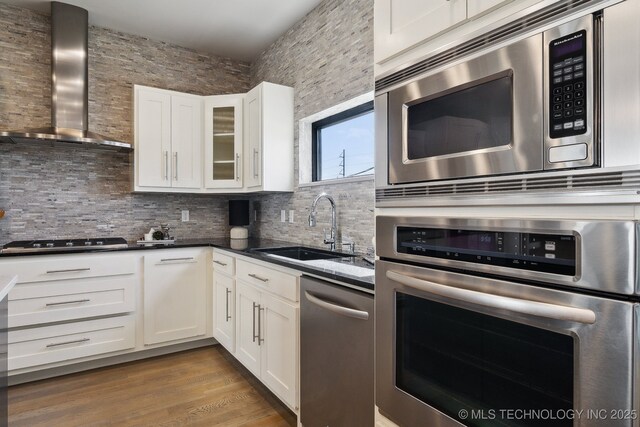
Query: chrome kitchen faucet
(331, 241)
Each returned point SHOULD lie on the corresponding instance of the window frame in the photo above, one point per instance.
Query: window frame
(316, 139)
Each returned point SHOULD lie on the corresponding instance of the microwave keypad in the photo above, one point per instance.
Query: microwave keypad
(568, 91)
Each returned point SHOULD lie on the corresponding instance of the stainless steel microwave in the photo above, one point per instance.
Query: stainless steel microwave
(563, 96)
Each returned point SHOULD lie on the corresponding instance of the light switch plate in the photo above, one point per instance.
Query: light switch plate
(185, 215)
(283, 216)
(291, 213)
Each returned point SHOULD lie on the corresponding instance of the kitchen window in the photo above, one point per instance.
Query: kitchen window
(343, 144)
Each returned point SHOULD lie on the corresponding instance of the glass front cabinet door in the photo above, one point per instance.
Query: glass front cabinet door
(223, 141)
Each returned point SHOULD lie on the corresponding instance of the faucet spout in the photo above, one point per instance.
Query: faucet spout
(331, 240)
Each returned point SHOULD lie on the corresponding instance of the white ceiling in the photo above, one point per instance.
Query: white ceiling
(236, 28)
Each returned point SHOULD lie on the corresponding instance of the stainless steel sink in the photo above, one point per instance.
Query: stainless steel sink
(302, 253)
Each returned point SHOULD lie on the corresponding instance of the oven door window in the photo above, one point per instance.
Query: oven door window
(468, 119)
(455, 359)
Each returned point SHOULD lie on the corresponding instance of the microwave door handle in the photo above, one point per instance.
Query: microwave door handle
(515, 305)
(338, 309)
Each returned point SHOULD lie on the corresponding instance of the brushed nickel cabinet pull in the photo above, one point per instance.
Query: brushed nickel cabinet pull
(255, 163)
(260, 339)
(175, 172)
(78, 301)
(224, 264)
(227, 315)
(176, 259)
(237, 167)
(71, 270)
(68, 342)
(254, 323)
(255, 276)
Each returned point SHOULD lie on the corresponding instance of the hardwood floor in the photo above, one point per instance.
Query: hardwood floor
(202, 387)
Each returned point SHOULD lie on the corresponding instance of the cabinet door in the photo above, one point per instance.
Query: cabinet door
(280, 348)
(223, 141)
(152, 138)
(248, 340)
(253, 137)
(174, 295)
(401, 24)
(224, 312)
(476, 7)
(186, 141)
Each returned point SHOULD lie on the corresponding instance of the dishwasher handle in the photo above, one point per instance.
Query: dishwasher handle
(515, 305)
(338, 309)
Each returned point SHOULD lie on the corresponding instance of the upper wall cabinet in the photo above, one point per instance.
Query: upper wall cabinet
(268, 130)
(223, 141)
(408, 30)
(168, 140)
(213, 144)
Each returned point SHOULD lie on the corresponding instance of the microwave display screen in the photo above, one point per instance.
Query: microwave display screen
(478, 116)
(551, 253)
(568, 85)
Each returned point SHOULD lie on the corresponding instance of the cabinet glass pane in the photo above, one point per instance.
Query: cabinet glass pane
(223, 120)
(223, 143)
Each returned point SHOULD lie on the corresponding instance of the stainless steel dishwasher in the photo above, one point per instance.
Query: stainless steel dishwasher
(336, 355)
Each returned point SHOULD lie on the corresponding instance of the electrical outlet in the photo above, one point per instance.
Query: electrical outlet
(283, 216)
(291, 212)
(185, 215)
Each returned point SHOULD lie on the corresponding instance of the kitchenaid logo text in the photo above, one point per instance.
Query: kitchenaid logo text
(576, 36)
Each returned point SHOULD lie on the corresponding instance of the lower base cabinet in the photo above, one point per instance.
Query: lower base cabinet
(56, 343)
(174, 295)
(267, 339)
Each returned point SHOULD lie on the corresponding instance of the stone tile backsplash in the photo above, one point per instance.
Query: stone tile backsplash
(68, 191)
(327, 57)
(74, 192)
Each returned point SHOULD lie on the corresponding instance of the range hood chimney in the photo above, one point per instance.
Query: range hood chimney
(69, 85)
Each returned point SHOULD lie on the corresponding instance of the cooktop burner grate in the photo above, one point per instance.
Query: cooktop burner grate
(25, 246)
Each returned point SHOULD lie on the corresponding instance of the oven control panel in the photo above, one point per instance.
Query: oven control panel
(550, 253)
(568, 85)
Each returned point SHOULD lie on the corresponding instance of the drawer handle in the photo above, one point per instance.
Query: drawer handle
(71, 270)
(224, 264)
(81, 340)
(78, 301)
(255, 276)
(177, 259)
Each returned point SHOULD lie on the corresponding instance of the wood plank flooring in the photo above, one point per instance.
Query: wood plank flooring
(202, 387)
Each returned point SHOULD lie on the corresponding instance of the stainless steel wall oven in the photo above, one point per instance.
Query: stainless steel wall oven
(484, 322)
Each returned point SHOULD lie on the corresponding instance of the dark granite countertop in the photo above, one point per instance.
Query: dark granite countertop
(347, 270)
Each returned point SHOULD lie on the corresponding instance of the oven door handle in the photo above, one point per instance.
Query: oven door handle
(338, 309)
(516, 305)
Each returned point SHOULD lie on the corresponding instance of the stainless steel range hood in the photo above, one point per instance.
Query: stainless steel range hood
(69, 85)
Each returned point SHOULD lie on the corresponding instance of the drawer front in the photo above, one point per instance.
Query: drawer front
(63, 267)
(50, 344)
(223, 263)
(277, 282)
(44, 302)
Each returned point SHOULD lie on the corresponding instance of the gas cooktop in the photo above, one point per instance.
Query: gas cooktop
(25, 246)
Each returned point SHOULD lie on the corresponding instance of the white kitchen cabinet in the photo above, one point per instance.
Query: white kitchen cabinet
(224, 317)
(407, 31)
(401, 24)
(267, 323)
(247, 328)
(168, 140)
(174, 295)
(267, 339)
(223, 146)
(268, 134)
(93, 294)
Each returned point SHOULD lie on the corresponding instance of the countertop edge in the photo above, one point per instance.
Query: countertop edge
(6, 284)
